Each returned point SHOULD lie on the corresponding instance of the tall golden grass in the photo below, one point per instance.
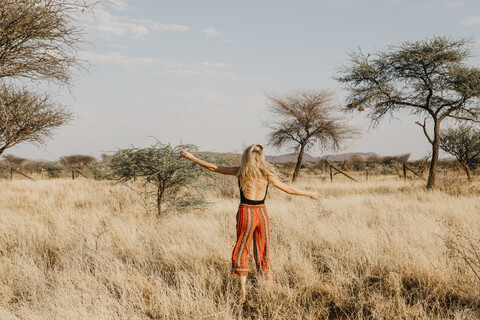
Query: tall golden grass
(370, 250)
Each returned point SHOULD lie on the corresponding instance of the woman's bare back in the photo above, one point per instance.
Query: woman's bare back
(256, 190)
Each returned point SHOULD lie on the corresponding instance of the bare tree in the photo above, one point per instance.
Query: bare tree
(39, 40)
(428, 78)
(305, 119)
(463, 143)
(28, 117)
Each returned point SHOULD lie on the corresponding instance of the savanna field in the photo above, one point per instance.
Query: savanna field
(379, 249)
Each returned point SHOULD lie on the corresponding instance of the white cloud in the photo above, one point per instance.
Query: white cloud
(210, 32)
(198, 71)
(115, 58)
(119, 5)
(106, 25)
(341, 3)
(216, 65)
(118, 45)
(471, 20)
(456, 4)
(165, 66)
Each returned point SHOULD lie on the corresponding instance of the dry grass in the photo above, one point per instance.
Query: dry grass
(371, 250)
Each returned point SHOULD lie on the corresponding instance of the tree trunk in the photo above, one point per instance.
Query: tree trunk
(160, 191)
(435, 151)
(299, 162)
(467, 169)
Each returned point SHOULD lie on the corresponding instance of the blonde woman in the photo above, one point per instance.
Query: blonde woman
(254, 175)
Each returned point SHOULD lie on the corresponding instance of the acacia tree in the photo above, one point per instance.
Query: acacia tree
(429, 78)
(463, 143)
(15, 162)
(160, 166)
(27, 117)
(305, 119)
(38, 41)
(79, 161)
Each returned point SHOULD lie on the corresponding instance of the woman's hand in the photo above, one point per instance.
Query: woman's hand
(187, 155)
(314, 195)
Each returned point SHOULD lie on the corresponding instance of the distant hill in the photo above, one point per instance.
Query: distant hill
(292, 157)
(348, 156)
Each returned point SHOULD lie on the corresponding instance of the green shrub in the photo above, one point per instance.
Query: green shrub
(4, 169)
(54, 169)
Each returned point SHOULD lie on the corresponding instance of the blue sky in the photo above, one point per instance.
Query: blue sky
(200, 71)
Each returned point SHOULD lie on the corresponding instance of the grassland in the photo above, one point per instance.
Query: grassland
(371, 250)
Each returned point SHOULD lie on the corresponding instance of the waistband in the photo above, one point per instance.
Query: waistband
(251, 205)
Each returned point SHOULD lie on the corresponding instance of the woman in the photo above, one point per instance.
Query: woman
(254, 176)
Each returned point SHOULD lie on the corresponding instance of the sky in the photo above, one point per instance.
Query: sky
(200, 72)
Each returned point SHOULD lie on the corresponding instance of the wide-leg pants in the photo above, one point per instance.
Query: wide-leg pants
(252, 224)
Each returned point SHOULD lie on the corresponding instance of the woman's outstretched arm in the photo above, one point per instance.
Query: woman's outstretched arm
(291, 190)
(223, 170)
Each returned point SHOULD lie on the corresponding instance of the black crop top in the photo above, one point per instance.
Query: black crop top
(248, 201)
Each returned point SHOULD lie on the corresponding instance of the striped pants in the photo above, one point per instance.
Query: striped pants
(252, 223)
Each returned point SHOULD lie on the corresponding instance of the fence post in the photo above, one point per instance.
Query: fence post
(73, 174)
(331, 174)
(404, 172)
(11, 173)
(366, 173)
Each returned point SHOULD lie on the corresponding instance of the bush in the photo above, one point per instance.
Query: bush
(100, 170)
(225, 187)
(4, 169)
(160, 168)
(54, 169)
(33, 167)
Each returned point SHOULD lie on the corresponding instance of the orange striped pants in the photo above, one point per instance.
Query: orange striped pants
(252, 223)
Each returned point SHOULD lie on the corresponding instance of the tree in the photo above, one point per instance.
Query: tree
(78, 161)
(54, 169)
(429, 78)
(305, 119)
(15, 162)
(463, 143)
(28, 117)
(358, 162)
(39, 40)
(160, 166)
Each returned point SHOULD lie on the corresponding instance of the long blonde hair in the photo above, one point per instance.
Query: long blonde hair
(254, 167)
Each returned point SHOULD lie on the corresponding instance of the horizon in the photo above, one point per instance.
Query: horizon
(445, 157)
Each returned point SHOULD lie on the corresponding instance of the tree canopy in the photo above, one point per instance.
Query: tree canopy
(39, 40)
(304, 119)
(159, 166)
(462, 142)
(429, 78)
(26, 116)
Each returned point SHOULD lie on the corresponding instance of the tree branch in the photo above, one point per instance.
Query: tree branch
(425, 130)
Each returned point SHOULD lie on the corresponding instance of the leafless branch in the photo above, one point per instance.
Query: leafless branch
(39, 39)
(425, 130)
(26, 116)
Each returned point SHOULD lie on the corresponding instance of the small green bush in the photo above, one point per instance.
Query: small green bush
(4, 169)
(54, 169)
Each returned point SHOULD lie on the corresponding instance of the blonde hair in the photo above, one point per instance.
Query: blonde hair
(254, 167)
